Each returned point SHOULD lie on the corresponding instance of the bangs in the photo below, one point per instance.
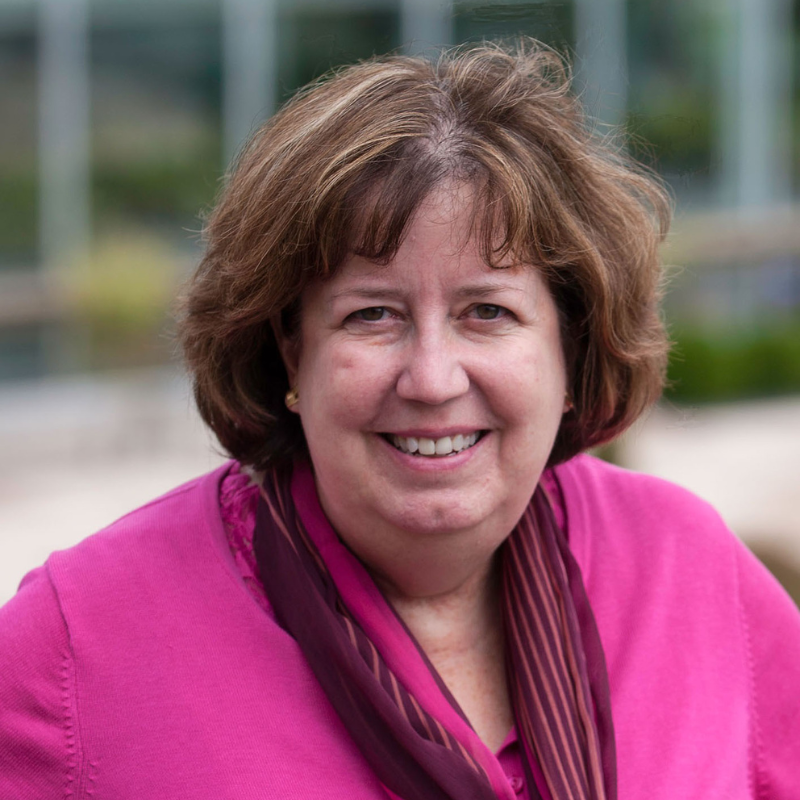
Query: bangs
(519, 215)
(372, 219)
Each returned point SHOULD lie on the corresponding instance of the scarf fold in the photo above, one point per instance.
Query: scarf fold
(389, 696)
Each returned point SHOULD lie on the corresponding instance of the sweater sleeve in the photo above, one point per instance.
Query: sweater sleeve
(39, 753)
(772, 627)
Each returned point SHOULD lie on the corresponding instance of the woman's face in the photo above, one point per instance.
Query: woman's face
(431, 390)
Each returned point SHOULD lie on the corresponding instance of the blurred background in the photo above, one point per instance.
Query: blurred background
(117, 121)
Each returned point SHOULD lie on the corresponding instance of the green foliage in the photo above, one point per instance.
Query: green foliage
(127, 284)
(121, 297)
(161, 191)
(174, 191)
(18, 215)
(723, 365)
(675, 138)
(323, 38)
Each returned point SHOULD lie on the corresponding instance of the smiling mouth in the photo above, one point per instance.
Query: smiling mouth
(434, 448)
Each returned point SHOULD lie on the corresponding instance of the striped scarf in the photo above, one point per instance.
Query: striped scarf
(389, 696)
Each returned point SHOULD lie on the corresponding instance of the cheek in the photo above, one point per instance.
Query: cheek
(528, 395)
(346, 382)
(531, 375)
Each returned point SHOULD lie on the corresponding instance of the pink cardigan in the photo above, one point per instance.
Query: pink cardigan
(139, 665)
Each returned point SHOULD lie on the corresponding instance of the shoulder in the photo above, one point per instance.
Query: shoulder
(647, 546)
(644, 543)
(167, 561)
(771, 628)
(87, 608)
(616, 514)
(149, 539)
(590, 482)
(36, 706)
(699, 639)
(126, 574)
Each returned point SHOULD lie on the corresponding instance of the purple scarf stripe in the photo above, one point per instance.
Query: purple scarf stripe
(540, 652)
(590, 652)
(549, 728)
(556, 669)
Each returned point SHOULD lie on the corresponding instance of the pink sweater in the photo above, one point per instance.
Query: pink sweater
(139, 665)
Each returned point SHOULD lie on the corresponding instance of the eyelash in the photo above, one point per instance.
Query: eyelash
(360, 314)
(499, 312)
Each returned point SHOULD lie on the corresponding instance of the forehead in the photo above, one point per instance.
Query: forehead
(464, 280)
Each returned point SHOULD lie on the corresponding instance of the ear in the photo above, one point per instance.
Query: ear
(289, 348)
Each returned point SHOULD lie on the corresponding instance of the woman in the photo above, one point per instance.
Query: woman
(427, 288)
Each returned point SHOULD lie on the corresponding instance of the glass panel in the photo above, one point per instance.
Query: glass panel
(18, 168)
(551, 22)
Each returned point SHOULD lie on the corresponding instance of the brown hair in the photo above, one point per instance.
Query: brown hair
(342, 168)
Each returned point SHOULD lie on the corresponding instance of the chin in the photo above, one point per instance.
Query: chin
(442, 518)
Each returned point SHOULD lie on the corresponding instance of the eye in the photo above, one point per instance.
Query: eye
(488, 311)
(372, 314)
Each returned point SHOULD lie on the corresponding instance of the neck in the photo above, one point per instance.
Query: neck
(461, 632)
(456, 620)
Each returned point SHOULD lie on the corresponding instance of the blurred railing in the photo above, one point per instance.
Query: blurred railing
(28, 297)
(721, 236)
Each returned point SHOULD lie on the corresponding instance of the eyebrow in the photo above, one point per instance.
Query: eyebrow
(473, 290)
(485, 289)
(368, 294)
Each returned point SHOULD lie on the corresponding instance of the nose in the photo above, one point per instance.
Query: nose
(433, 370)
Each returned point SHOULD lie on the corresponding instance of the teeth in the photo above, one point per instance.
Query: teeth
(444, 446)
(427, 447)
(435, 447)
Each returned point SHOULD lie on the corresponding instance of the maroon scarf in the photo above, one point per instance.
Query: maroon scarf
(407, 724)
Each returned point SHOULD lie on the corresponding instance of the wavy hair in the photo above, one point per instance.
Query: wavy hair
(343, 167)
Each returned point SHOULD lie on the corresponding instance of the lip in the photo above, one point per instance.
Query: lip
(442, 464)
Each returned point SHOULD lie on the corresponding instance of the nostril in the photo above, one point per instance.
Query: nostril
(432, 383)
